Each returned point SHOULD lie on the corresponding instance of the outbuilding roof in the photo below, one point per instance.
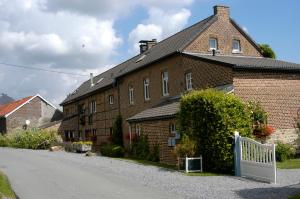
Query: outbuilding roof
(162, 112)
(9, 108)
(242, 62)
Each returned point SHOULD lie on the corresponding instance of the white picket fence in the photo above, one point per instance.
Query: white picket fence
(255, 160)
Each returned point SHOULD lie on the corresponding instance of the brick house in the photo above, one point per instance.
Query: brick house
(145, 90)
(29, 112)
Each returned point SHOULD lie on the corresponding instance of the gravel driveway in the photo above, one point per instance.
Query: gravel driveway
(43, 174)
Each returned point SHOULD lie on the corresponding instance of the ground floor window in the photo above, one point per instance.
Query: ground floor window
(69, 136)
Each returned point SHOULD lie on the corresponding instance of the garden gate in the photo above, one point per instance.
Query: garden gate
(254, 160)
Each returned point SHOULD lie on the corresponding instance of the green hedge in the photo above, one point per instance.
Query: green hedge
(284, 152)
(140, 149)
(210, 117)
(112, 150)
(35, 139)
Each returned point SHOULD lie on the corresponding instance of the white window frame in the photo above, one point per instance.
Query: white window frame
(131, 95)
(165, 83)
(146, 89)
(189, 81)
(111, 99)
(93, 106)
(94, 132)
(239, 46)
(173, 128)
(216, 43)
(138, 129)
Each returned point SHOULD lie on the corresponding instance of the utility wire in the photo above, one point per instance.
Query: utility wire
(41, 69)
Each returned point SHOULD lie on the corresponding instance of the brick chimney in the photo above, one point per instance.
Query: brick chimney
(223, 12)
(147, 44)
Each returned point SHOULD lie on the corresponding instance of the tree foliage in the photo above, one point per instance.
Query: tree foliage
(210, 118)
(117, 134)
(267, 51)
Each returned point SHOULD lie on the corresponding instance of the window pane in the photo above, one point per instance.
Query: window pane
(212, 43)
(165, 83)
(236, 45)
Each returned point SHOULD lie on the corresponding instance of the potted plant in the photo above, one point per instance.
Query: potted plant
(82, 146)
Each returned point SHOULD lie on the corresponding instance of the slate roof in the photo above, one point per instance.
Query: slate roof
(9, 107)
(166, 47)
(161, 112)
(255, 63)
(169, 108)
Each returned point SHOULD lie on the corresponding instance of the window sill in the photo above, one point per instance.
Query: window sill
(237, 52)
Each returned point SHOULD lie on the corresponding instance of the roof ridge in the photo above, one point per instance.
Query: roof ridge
(185, 29)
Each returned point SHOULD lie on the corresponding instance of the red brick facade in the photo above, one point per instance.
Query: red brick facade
(277, 91)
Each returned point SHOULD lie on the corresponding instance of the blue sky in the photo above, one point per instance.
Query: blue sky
(267, 21)
(92, 36)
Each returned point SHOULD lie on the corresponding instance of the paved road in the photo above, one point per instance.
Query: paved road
(35, 175)
(55, 175)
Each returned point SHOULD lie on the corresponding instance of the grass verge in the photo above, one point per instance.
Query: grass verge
(170, 167)
(297, 196)
(289, 164)
(5, 188)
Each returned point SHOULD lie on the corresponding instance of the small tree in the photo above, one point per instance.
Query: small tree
(117, 134)
(210, 118)
(267, 51)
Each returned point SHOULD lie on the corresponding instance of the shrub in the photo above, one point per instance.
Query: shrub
(140, 148)
(186, 147)
(284, 152)
(210, 118)
(117, 135)
(34, 139)
(154, 154)
(4, 141)
(111, 150)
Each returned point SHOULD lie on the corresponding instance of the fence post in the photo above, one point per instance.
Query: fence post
(237, 154)
(274, 163)
(186, 164)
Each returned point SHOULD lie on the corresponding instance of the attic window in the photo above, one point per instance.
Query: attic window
(213, 44)
(141, 58)
(99, 80)
(236, 46)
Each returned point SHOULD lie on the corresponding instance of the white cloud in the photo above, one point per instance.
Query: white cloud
(149, 31)
(73, 36)
(159, 25)
(245, 29)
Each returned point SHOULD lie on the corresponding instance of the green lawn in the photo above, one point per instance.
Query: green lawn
(289, 164)
(297, 196)
(5, 189)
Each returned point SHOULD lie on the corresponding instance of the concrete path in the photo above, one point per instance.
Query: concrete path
(38, 176)
(55, 175)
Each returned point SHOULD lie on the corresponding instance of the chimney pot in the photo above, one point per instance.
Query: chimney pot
(147, 44)
(92, 79)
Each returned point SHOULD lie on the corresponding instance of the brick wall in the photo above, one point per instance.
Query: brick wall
(158, 132)
(30, 111)
(224, 31)
(102, 120)
(205, 75)
(279, 93)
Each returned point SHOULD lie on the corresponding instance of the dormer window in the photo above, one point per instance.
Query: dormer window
(213, 44)
(236, 46)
